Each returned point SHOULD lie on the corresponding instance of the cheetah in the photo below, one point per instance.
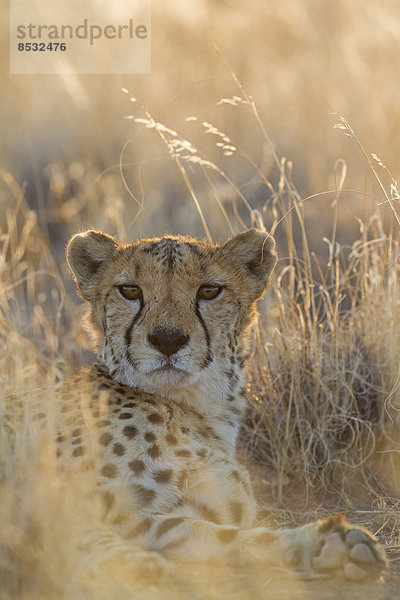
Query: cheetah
(167, 396)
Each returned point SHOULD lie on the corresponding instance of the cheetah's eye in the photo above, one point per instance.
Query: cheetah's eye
(209, 292)
(130, 292)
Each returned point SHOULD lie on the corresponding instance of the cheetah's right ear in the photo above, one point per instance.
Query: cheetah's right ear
(86, 254)
(253, 253)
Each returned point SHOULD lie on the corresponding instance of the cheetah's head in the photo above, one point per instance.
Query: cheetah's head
(171, 311)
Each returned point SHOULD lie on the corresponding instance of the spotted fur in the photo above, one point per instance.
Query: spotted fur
(167, 396)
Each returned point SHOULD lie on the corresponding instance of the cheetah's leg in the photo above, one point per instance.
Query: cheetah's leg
(105, 552)
(331, 547)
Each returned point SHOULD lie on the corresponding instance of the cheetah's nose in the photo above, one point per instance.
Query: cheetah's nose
(168, 341)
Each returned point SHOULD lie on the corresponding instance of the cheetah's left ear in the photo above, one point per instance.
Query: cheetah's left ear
(87, 252)
(253, 251)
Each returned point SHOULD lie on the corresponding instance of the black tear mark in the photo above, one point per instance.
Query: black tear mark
(128, 332)
(209, 357)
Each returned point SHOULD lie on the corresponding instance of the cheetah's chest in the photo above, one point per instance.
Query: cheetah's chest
(151, 453)
(155, 456)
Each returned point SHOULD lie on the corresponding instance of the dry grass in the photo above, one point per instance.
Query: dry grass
(322, 425)
(303, 59)
(324, 376)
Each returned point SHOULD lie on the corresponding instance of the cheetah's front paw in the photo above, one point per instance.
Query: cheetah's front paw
(344, 550)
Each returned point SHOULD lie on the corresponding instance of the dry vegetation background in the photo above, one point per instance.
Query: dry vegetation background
(196, 155)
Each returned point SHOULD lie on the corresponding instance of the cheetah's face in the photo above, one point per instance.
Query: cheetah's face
(166, 309)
